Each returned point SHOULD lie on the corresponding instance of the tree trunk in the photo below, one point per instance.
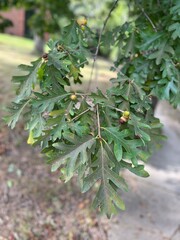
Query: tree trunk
(38, 44)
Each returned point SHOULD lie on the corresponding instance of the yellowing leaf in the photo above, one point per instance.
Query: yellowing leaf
(30, 138)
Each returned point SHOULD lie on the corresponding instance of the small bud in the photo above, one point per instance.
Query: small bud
(136, 55)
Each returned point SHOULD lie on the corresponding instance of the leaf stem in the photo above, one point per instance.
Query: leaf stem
(98, 121)
(117, 109)
(148, 18)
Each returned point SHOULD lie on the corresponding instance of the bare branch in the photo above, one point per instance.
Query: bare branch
(99, 42)
(148, 18)
(85, 111)
(117, 109)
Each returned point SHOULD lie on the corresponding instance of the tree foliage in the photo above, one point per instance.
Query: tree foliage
(46, 17)
(97, 135)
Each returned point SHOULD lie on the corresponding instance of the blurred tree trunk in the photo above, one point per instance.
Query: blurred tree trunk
(154, 103)
(39, 43)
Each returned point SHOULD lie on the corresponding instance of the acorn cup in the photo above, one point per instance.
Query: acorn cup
(45, 57)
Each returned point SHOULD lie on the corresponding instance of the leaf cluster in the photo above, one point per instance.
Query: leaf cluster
(86, 134)
(149, 48)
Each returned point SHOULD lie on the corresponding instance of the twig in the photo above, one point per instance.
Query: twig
(99, 42)
(98, 122)
(151, 22)
(79, 114)
(117, 109)
(83, 94)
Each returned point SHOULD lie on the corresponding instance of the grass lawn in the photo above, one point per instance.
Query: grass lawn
(17, 50)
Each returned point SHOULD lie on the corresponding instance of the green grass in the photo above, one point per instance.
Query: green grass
(17, 50)
(16, 42)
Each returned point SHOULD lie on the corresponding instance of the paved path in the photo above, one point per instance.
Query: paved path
(153, 204)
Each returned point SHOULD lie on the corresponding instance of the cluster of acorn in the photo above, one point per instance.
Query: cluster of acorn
(125, 117)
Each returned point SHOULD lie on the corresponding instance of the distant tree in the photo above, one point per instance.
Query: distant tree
(4, 23)
(46, 17)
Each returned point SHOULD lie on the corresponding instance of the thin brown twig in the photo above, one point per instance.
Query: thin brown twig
(99, 42)
(117, 109)
(85, 111)
(148, 18)
(98, 121)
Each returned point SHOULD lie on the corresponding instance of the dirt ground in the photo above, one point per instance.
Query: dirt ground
(34, 204)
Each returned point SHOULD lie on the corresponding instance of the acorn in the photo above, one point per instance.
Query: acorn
(126, 114)
(73, 97)
(125, 117)
(81, 21)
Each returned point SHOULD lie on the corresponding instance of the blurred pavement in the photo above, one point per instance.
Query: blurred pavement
(153, 204)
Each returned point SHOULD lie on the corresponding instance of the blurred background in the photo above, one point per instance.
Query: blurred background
(34, 204)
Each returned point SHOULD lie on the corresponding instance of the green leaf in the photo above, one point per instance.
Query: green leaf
(15, 110)
(161, 53)
(170, 88)
(118, 152)
(36, 123)
(175, 27)
(129, 48)
(70, 33)
(106, 198)
(58, 60)
(69, 158)
(47, 102)
(138, 170)
(54, 77)
(148, 42)
(119, 138)
(26, 82)
(139, 127)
